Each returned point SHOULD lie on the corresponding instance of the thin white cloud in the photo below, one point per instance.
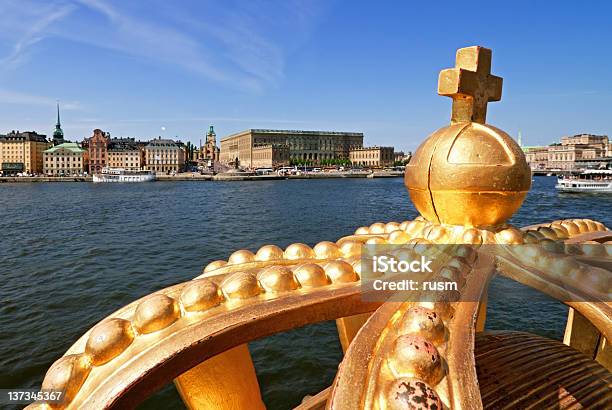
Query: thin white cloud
(20, 98)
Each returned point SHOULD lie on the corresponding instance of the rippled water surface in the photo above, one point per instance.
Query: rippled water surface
(72, 253)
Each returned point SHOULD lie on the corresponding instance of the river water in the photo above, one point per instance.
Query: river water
(72, 253)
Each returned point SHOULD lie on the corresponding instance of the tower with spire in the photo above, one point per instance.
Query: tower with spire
(210, 151)
(58, 133)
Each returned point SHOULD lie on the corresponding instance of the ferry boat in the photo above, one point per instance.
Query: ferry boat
(123, 175)
(590, 180)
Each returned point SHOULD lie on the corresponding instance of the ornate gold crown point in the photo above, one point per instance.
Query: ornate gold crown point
(470, 84)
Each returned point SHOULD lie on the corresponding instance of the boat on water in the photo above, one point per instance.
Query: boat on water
(123, 175)
(590, 180)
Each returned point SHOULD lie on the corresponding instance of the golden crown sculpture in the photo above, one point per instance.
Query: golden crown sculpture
(466, 180)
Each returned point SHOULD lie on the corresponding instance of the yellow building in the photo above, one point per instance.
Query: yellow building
(164, 155)
(124, 153)
(65, 159)
(373, 156)
(311, 146)
(22, 152)
(270, 156)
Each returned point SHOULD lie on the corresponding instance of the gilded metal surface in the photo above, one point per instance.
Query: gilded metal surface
(466, 180)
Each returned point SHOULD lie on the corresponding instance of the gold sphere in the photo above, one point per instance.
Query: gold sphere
(340, 272)
(423, 322)
(311, 275)
(277, 279)
(350, 248)
(269, 253)
(241, 256)
(299, 251)
(468, 174)
(240, 285)
(409, 394)
(67, 374)
(156, 312)
(414, 356)
(327, 250)
(108, 339)
(214, 266)
(200, 294)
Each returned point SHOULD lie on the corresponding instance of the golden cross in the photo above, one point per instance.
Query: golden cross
(470, 85)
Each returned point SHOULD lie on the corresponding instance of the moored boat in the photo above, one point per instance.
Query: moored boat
(590, 180)
(123, 175)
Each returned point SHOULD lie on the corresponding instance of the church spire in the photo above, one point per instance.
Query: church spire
(58, 134)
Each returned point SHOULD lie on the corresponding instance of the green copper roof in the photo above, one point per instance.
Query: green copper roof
(58, 127)
(70, 146)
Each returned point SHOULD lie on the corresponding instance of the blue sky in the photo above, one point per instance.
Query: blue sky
(136, 67)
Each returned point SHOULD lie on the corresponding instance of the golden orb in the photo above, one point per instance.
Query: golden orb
(468, 173)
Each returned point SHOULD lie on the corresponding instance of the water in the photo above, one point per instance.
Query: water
(72, 253)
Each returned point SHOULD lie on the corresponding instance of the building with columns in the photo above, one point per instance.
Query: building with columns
(65, 159)
(164, 156)
(312, 146)
(373, 156)
(581, 151)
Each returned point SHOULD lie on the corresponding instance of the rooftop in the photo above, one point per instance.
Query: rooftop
(70, 146)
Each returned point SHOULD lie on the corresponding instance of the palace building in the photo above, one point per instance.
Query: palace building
(313, 146)
(373, 156)
(98, 151)
(573, 152)
(22, 152)
(65, 159)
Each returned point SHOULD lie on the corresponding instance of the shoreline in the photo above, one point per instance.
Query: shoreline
(218, 177)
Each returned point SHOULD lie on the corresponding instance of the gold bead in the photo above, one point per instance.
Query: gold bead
(571, 227)
(241, 256)
(269, 253)
(376, 240)
(240, 285)
(560, 231)
(409, 394)
(214, 266)
(404, 225)
(563, 266)
(363, 230)
(350, 248)
(277, 279)
(108, 340)
(452, 274)
(582, 225)
(472, 236)
(423, 322)
(357, 266)
(327, 250)
(415, 356)
(509, 236)
(548, 233)
(156, 312)
(200, 294)
(467, 252)
(299, 251)
(434, 233)
(311, 275)
(67, 374)
(460, 263)
(398, 237)
(340, 272)
(377, 228)
(592, 225)
(391, 226)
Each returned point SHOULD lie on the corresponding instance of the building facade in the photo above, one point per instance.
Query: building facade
(22, 152)
(164, 156)
(373, 156)
(312, 146)
(98, 151)
(65, 159)
(271, 156)
(580, 151)
(209, 151)
(125, 153)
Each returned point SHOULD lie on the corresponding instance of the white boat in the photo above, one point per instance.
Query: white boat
(590, 180)
(123, 175)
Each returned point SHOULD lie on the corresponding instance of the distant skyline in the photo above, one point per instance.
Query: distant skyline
(170, 69)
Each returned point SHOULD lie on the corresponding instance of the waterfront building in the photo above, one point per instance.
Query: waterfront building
(58, 133)
(98, 151)
(125, 153)
(373, 156)
(270, 156)
(400, 156)
(67, 158)
(573, 152)
(311, 146)
(164, 155)
(22, 152)
(209, 150)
